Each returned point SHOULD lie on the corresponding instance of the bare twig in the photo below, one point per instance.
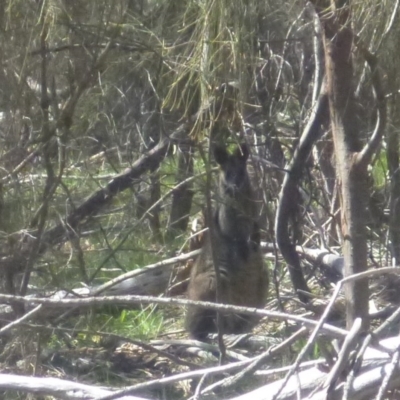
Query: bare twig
(287, 204)
(132, 299)
(214, 255)
(21, 320)
(325, 316)
(365, 156)
(257, 361)
(388, 374)
(343, 358)
(141, 219)
(152, 267)
(59, 388)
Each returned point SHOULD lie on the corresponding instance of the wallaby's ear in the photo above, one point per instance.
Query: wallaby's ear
(221, 155)
(242, 152)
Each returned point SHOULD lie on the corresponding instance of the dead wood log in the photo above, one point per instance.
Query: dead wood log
(310, 382)
(59, 388)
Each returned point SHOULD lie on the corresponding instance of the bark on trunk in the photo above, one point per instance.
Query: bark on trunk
(351, 159)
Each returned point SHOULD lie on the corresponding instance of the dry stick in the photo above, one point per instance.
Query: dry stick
(50, 387)
(192, 236)
(324, 316)
(151, 347)
(257, 361)
(286, 45)
(311, 339)
(203, 371)
(175, 378)
(318, 60)
(343, 358)
(389, 321)
(141, 219)
(285, 207)
(23, 163)
(367, 341)
(372, 337)
(139, 47)
(308, 137)
(206, 372)
(153, 267)
(192, 374)
(214, 256)
(22, 319)
(201, 346)
(135, 299)
(144, 345)
(365, 155)
(197, 393)
(276, 280)
(388, 374)
(304, 365)
(388, 27)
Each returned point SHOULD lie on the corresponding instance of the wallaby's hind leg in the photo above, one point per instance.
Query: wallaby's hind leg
(200, 321)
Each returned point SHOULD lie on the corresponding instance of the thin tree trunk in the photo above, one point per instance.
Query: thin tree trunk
(338, 42)
(351, 159)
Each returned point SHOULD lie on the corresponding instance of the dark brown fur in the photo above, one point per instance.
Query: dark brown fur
(244, 277)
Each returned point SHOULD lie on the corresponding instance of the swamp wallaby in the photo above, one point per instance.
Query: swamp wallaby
(236, 243)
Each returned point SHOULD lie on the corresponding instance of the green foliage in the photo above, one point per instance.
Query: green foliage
(143, 324)
(380, 169)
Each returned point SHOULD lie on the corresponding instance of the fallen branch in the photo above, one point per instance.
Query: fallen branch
(133, 299)
(59, 388)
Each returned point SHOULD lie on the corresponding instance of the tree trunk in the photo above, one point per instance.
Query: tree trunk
(351, 160)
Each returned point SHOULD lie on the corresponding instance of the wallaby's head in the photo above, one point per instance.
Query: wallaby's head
(234, 176)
